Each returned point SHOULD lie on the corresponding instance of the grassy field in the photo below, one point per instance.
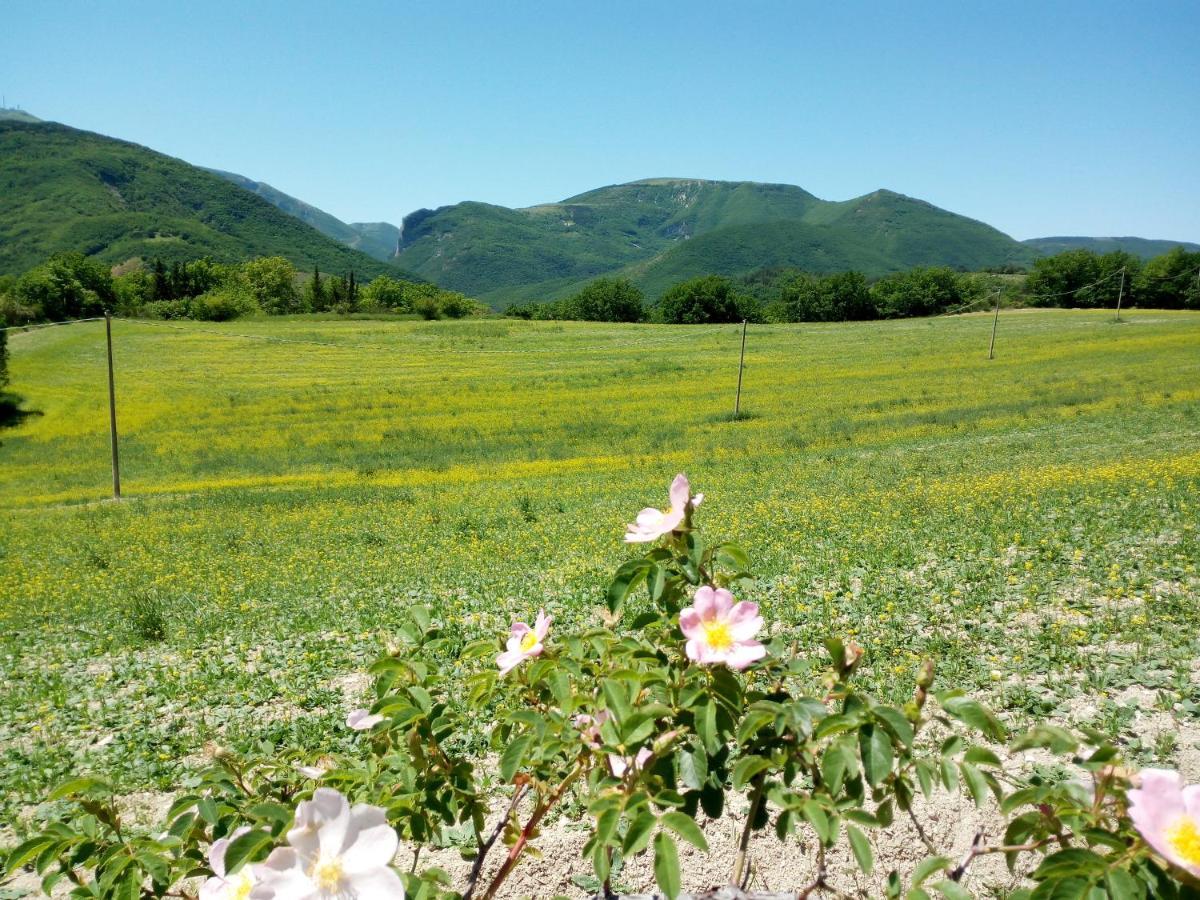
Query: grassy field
(1030, 522)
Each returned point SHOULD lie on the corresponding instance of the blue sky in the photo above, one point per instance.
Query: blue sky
(1038, 118)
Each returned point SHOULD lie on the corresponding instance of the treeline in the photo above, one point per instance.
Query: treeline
(1074, 278)
(74, 286)
(1085, 279)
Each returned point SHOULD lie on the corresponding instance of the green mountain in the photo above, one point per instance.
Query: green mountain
(16, 115)
(377, 239)
(65, 189)
(660, 231)
(1143, 247)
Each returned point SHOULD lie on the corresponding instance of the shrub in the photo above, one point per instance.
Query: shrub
(606, 300)
(710, 299)
(677, 703)
(221, 305)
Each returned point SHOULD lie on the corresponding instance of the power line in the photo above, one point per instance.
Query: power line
(35, 326)
(392, 348)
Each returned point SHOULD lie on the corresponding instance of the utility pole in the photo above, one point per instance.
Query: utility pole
(995, 322)
(1121, 294)
(112, 411)
(737, 400)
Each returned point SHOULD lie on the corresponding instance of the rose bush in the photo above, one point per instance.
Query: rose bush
(665, 711)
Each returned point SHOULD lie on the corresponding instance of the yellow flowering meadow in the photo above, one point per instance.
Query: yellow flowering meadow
(292, 484)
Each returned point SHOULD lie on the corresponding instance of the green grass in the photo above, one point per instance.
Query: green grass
(66, 189)
(1029, 522)
(661, 231)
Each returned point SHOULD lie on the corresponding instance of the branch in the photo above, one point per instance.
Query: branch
(515, 853)
(485, 846)
(977, 849)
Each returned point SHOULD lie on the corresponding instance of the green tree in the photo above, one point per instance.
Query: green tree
(918, 292)
(606, 300)
(316, 297)
(387, 293)
(1062, 279)
(271, 283)
(1170, 281)
(708, 299)
(68, 286)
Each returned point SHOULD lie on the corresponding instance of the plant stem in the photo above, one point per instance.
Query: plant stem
(739, 863)
(515, 853)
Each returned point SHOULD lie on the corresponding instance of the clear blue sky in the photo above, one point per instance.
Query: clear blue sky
(1038, 118)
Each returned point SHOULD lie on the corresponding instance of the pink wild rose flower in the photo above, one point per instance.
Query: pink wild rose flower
(653, 523)
(524, 642)
(1167, 815)
(721, 631)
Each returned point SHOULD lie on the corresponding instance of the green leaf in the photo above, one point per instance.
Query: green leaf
(862, 849)
(693, 768)
(835, 763)
(617, 699)
(875, 750)
(637, 836)
(895, 722)
(746, 768)
(972, 713)
(248, 847)
(628, 577)
(752, 722)
(1070, 862)
(975, 783)
(514, 755)
(666, 864)
(29, 849)
(1051, 737)
(928, 866)
(685, 826)
(952, 890)
(981, 756)
(1122, 886)
(818, 818)
(706, 726)
(78, 786)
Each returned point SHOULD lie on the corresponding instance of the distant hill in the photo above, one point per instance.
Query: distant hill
(1143, 247)
(377, 239)
(65, 189)
(16, 115)
(659, 231)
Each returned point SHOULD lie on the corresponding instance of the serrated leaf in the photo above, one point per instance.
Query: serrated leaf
(248, 847)
(513, 756)
(875, 750)
(637, 835)
(666, 864)
(952, 890)
(685, 826)
(706, 726)
(862, 849)
(746, 768)
(895, 722)
(928, 866)
(973, 714)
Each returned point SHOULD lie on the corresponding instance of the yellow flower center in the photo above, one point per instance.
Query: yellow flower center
(1184, 838)
(243, 887)
(529, 641)
(717, 636)
(327, 873)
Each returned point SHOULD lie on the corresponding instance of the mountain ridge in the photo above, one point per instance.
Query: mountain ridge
(115, 200)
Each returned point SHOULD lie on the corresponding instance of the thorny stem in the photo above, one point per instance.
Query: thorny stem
(921, 831)
(515, 853)
(485, 846)
(740, 869)
(977, 849)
